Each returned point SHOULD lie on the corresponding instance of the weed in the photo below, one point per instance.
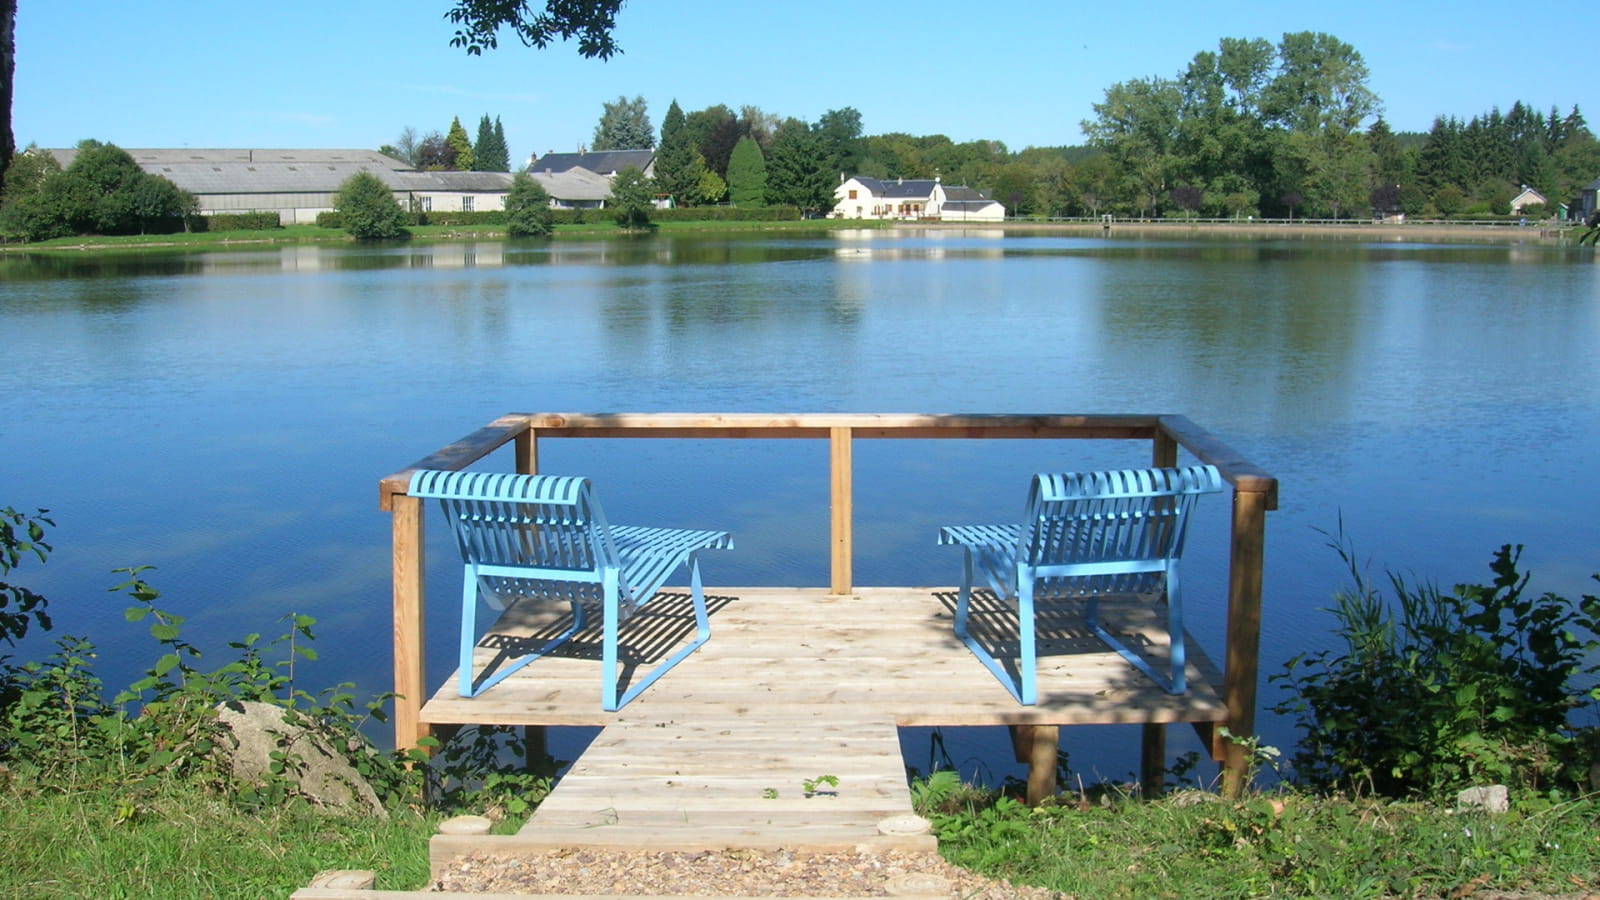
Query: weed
(810, 786)
(1438, 690)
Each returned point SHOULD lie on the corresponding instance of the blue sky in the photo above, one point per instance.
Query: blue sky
(352, 73)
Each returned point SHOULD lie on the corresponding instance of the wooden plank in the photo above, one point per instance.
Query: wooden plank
(900, 662)
(458, 455)
(1244, 631)
(410, 676)
(841, 517)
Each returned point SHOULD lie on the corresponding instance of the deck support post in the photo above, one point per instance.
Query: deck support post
(1152, 760)
(1043, 743)
(535, 746)
(840, 503)
(1241, 667)
(409, 675)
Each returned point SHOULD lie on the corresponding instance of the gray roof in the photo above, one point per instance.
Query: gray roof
(920, 188)
(602, 162)
(204, 172)
(574, 184)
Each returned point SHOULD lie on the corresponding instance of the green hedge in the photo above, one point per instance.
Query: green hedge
(255, 221)
(331, 219)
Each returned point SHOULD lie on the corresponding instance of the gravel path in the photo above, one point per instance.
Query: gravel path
(729, 873)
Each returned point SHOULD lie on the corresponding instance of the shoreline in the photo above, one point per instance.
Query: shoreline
(1553, 235)
(1550, 234)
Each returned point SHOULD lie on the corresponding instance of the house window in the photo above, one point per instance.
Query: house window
(427, 204)
(852, 195)
(466, 204)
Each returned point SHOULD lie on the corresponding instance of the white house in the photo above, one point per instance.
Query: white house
(1528, 197)
(862, 197)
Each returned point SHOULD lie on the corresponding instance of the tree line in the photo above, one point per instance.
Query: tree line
(1252, 128)
(453, 151)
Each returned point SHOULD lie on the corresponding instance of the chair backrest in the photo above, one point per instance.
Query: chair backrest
(1127, 524)
(549, 523)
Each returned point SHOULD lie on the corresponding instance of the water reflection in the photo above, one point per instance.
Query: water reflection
(225, 414)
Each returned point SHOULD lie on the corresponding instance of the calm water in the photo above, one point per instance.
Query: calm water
(225, 416)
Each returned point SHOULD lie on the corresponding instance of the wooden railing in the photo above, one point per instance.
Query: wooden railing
(1254, 493)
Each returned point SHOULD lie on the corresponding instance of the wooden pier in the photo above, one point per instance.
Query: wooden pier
(721, 751)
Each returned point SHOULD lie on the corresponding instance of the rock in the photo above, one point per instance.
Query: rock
(466, 825)
(1493, 798)
(345, 880)
(318, 772)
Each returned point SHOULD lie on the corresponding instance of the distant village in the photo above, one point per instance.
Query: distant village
(297, 184)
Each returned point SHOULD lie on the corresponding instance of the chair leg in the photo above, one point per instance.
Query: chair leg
(702, 622)
(1180, 680)
(1025, 637)
(469, 641)
(1027, 646)
(611, 617)
(1176, 680)
(469, 628)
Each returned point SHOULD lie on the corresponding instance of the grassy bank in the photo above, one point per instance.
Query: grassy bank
(314, 234)
(1194, 844)
(1363, 231)
(164, 840)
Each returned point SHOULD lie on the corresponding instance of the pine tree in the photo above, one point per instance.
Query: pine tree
(483, 147)
(504, 159)
(624, 125)
(747, 174)
(678, 163)
(456, 139)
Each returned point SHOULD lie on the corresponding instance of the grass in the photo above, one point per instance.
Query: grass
(169, 841)
(297, 234)
(1195, 844)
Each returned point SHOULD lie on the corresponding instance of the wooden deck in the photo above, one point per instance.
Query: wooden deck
(794, 684)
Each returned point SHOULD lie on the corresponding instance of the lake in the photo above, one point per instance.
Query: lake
(225, 415)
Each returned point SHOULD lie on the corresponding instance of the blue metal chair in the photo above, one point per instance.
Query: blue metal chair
(542, 538)
(1085, 535)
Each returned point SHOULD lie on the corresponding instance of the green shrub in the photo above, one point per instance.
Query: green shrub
(21, 536)
(1437, 690)
(527, 208)
(368, 210)
(253, 221)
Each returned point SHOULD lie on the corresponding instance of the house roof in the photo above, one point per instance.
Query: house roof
(295, 171)
(601, 162)
(921, 188)
(574, 184)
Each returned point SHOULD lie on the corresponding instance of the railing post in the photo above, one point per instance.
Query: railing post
(1244, 634)
(409, 674)
(840, 475)
(1153, 741)
(527, 450)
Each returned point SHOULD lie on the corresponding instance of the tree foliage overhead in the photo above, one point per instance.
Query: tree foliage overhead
(624, 125)
(478, 24)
